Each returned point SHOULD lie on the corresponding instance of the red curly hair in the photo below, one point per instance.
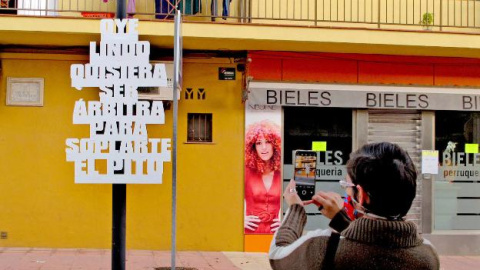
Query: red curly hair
(271, 132)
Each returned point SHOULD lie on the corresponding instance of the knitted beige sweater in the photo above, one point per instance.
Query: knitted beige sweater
(365, 244)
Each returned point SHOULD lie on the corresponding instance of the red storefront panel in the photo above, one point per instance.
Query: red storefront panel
(364, 69)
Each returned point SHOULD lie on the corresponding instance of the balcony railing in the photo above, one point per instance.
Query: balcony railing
(434, 15)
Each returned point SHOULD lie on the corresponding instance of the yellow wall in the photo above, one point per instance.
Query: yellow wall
(210, 36)
(40, 206)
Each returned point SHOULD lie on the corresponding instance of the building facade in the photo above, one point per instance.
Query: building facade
(347, 100)
(336, 74)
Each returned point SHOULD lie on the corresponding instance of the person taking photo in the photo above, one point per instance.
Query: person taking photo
(381, 182)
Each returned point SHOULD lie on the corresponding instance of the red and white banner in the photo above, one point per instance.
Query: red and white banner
(263, 163)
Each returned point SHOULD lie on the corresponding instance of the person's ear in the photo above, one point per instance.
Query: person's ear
(362, 195)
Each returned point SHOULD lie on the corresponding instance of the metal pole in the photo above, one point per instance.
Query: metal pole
(119, 192)
(177, 70)
(121, 9)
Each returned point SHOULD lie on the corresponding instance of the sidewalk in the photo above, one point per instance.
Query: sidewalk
(96, 259)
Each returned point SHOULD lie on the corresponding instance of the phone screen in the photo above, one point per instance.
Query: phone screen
(304, 175)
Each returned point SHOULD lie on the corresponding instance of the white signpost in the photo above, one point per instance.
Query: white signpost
(118, 132)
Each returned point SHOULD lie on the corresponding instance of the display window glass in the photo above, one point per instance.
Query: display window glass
(457, 185)
(327, 131)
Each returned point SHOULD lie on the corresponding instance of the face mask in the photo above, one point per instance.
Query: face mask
(352, 213)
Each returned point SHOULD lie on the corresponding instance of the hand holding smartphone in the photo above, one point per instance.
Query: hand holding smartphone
(304, 174)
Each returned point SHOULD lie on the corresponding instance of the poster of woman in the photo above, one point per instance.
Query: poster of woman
(263, 181)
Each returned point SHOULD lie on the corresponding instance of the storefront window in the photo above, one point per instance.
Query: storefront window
(330, 127)
(457, 186)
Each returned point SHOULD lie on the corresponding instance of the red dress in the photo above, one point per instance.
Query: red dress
(260, 202)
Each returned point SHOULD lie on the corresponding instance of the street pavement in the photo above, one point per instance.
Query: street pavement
(96, 259)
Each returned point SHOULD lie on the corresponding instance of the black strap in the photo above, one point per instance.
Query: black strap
(332, 245)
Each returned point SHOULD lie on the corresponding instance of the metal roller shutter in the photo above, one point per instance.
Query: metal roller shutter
(402, 127)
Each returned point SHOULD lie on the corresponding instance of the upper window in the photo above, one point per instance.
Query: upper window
(199, 127)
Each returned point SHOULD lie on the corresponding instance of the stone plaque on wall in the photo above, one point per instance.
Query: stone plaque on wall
(24, 91)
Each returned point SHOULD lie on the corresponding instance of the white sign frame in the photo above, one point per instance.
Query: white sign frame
(429, 162)
(16, 85)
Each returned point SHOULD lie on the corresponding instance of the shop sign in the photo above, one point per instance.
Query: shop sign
(363, 96)
(226, 74)
(330, 166)
(118, 149)
(460, 166)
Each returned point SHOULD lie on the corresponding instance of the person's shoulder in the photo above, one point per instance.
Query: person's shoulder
(429, 246)
(428, 254)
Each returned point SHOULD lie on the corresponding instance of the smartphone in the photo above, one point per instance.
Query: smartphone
(304, 175)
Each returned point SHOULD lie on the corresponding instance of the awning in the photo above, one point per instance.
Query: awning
(363, 96)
